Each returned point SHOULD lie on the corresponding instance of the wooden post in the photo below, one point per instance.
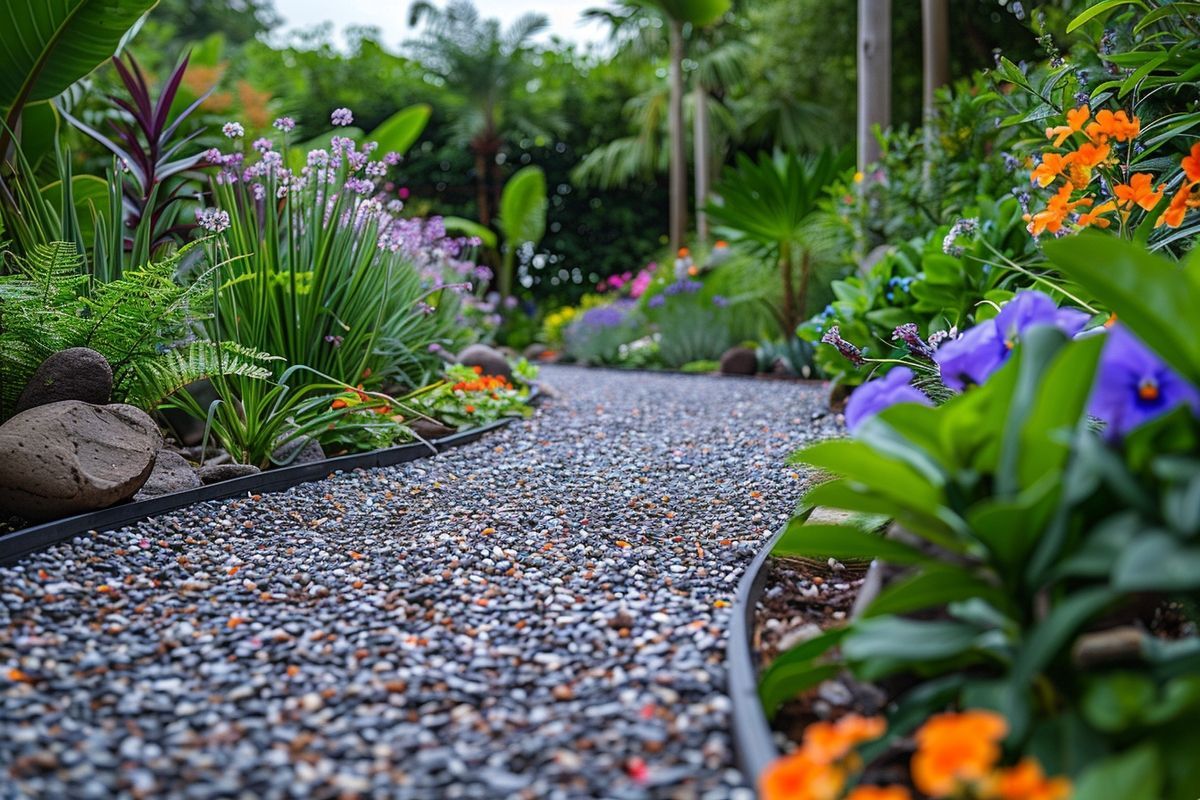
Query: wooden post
(935, 48)
(678, 167)
(935, 43)
(874, 75)
(702, 158)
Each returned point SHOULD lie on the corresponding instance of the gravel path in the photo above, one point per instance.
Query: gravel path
(538, 615)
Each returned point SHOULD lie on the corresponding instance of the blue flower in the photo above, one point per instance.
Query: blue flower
(1134, 386)
(874, 396)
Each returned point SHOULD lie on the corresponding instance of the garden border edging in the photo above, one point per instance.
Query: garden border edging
(752, 739)
(17, 544)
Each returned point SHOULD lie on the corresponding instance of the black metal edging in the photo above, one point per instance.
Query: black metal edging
(37, 537)
(751, 732)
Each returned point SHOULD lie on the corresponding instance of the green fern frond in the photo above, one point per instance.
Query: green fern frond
(154, 380)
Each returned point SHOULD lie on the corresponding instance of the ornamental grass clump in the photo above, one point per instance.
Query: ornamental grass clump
(319, 269)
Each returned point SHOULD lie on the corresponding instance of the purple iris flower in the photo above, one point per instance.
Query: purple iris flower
(971, 358)
(1134, 386)
(874, 396)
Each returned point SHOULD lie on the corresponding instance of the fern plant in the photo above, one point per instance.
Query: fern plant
(144, 322)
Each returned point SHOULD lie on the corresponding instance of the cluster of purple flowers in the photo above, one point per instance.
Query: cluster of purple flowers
(1132, 385)
(607, 316)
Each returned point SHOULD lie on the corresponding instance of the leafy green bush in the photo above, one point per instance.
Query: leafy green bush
(1039, 550)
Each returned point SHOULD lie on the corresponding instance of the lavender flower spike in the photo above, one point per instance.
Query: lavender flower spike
(834, 337)
(909, 334)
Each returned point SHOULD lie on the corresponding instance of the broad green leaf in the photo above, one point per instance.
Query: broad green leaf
(1051, 637)
(1158, 562)
(1133, 775)
(842, 542)
(895, 638)
(934, 585)
(889, 477)
(47, 45)
(468, 227)
(90, 196)
(523, 208)
(1100, 8)
(1150, 294)
(846, 495)
(798, 669)
(1059, 405)
(400, 131)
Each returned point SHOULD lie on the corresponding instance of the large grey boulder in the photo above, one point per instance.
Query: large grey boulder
(75, 374)
(491, 361)
(70, 457)
(172, 473)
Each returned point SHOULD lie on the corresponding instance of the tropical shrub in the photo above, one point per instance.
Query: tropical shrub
(941, 282)
(1040, 552)
(769, 207)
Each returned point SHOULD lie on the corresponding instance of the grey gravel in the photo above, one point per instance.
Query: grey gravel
(541, 614)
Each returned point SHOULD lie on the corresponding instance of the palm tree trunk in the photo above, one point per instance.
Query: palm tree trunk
(678, 175)
(790, 320)
(702, 157)
(874, 75)
(481, 189)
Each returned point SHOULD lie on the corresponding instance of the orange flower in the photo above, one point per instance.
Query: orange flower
(1095, 216)
(1075, 119)
(953, 749)
(1052, 217)
(1191, 164)
(1109, 125)
(879, 793)
(1026, 781)
(1051, 166)
(338, 403)
(799, 777)
(1083, 161)
(1139, 191)
(827, 742)
(1180, 203)
(469, 409)
(684, 252)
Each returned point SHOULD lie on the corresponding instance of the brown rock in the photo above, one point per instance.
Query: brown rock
(69, 457)
(78, 373)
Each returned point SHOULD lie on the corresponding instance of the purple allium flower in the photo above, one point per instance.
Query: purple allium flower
(263, 144)
(833, 336)
(341, 117)
(911, 336)
(874, 396)
(214, 156)
(1134, 386)
(285, 124)
(391, 158)
(233, 130)
(213, 220)
(318, 158)
(336, 341)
